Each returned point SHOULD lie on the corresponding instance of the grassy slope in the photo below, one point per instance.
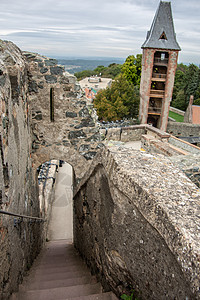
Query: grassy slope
(176, 116)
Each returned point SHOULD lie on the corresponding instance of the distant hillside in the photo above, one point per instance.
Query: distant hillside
(78, 65)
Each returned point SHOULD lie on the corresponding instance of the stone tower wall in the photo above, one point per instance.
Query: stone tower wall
(171, 70)
(145, 84)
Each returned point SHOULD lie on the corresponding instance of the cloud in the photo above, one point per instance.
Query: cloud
(111, 27)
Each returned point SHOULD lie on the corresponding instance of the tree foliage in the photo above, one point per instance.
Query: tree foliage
(132, 69)
(86, 73)
(187, 83)
(119, 101)
(111, 71)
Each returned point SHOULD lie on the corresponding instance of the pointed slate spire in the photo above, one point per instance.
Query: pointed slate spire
(162, 34)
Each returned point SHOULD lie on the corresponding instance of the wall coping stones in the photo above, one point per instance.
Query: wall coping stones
(184, 145)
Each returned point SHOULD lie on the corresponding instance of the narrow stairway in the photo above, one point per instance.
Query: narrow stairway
(60, 273)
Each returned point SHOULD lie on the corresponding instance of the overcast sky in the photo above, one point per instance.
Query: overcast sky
(106, 28)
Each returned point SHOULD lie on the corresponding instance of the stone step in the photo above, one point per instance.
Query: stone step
(104, 296)
(42, 285)
(58, 276)
(63, 269)
(60, 263)
(61, 292)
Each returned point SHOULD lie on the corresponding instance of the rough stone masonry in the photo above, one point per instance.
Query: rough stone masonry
(137, 225)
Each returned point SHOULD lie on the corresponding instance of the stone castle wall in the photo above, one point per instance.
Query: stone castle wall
(42, 118)
(136, 226)
(72, 135)
(20, 239)
(183, 129)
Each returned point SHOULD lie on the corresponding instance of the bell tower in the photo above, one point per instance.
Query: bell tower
(159, 62)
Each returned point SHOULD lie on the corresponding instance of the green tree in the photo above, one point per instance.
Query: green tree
(187, 83)
(191, 82)
(99, 70)
(119, 101)
(180, 102)
(83, 74)
(132, 69)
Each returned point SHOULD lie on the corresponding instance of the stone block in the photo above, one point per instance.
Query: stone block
(93, 138)
(50, 79)
(50, 62)
(84, 147)
(33, 87)
(90, 155)
(84, 112)
(56, 70)
(2, 80)
(76, 134)
(43, 70)
(70, 114)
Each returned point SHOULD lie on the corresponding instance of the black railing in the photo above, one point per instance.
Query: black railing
(21, 216)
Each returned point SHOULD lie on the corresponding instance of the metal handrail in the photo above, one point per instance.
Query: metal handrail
(21, 216)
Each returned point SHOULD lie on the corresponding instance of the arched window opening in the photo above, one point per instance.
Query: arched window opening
(52, 104)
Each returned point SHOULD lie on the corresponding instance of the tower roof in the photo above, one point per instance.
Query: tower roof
(162, 34)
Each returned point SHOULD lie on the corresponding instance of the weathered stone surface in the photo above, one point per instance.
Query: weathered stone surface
(84, 112)
(2, 80)
(90, 155)
(94, 138)
(50, 62)
(183, 129)
(56, 70)
(20, 239)
(84, 148)
(70, 114)
(136, 224)
(40, 85)
(37, 115)
(33, 87)
(43, 70)
(88, 122)
(50, 79)
(76, 134)
(66, 143)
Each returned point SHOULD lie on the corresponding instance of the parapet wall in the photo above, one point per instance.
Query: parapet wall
(132, 133)
(176, 110)
(183, 129)
(136, 225)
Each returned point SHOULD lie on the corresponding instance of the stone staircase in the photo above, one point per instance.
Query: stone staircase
(60, 273)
